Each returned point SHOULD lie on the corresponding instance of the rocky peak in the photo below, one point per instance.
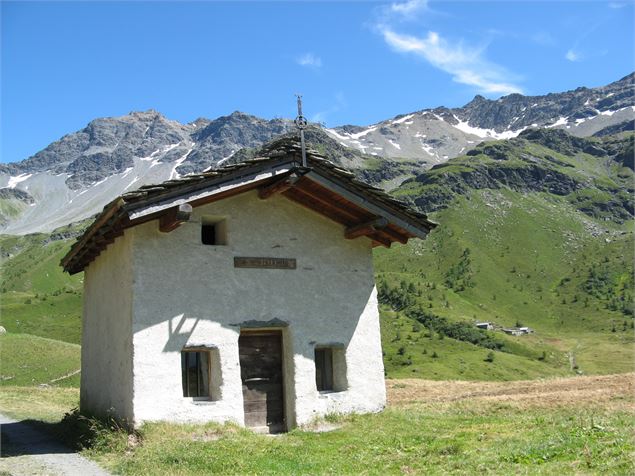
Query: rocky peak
(478, 99)
(515, 111)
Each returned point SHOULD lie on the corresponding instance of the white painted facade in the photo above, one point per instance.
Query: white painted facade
(106, 378)
(151, 294)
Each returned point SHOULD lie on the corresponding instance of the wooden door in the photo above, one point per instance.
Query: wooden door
(261, 374)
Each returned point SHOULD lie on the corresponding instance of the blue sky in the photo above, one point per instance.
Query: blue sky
(355, 62)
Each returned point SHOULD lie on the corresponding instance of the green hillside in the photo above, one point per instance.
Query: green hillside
(535, 231)
(532, 265)
(29, 360)
(37, 297)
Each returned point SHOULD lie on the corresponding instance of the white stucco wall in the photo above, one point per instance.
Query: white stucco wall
(190, 294)
(106, 378)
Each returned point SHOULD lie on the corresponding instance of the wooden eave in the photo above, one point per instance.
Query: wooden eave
(321, 200)
(321, 187)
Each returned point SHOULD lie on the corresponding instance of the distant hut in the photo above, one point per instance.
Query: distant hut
(488, 326)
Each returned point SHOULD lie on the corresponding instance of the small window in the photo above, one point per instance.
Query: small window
(208, 234)
(330, 368)
(324, 369)
(213, 231)
(201, 373)
(195, 373)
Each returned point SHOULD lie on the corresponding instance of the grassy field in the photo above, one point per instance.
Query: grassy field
(580, 425)
(40, 404)
(30, 360)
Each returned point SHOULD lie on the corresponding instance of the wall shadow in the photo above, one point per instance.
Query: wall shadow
(33, 437)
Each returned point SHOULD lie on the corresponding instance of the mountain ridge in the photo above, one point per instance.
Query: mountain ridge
(431, 134)
(84, 170)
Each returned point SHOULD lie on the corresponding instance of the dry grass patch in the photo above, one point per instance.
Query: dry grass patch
(615, 392)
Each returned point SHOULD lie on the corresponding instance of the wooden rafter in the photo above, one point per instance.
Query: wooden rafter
(174, 217)
(329, 212)
(381, 240)
(342, 208)
(278, 186)
(364, 229)
(395, 216)
(395, 235)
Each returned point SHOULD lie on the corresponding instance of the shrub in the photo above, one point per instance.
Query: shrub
(463, 331)
(79, 432)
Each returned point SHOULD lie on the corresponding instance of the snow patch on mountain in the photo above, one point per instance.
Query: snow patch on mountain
(403, 119)
(464, 126)
(174, 174)
(363, 133)
(560, 122)
(394, 144)
(14, 181)
(428, 149)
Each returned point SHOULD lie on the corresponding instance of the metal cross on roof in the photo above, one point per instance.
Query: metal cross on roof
(301, 124)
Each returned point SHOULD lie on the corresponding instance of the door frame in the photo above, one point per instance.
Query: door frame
(277, 331)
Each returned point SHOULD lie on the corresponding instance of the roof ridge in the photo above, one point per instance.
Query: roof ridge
(127, 210)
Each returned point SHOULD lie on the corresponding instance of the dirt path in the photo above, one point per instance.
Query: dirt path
(609, 391)
(27, 451)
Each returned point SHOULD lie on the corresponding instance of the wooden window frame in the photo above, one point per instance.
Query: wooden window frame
(184, 373)
(330, 368)
(323, 356)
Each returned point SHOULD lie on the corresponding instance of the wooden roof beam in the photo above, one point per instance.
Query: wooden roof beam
(329, 212)
(366, 204)
(381, 240)
(312, 195)
(395, 236)
(175, 217)
(278, 186)
(197, 193)
(365, 229)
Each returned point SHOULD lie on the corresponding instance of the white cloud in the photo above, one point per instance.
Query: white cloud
(309, 60)
(616, 5)
(409, 8)
(466, 65)
(573, 55)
